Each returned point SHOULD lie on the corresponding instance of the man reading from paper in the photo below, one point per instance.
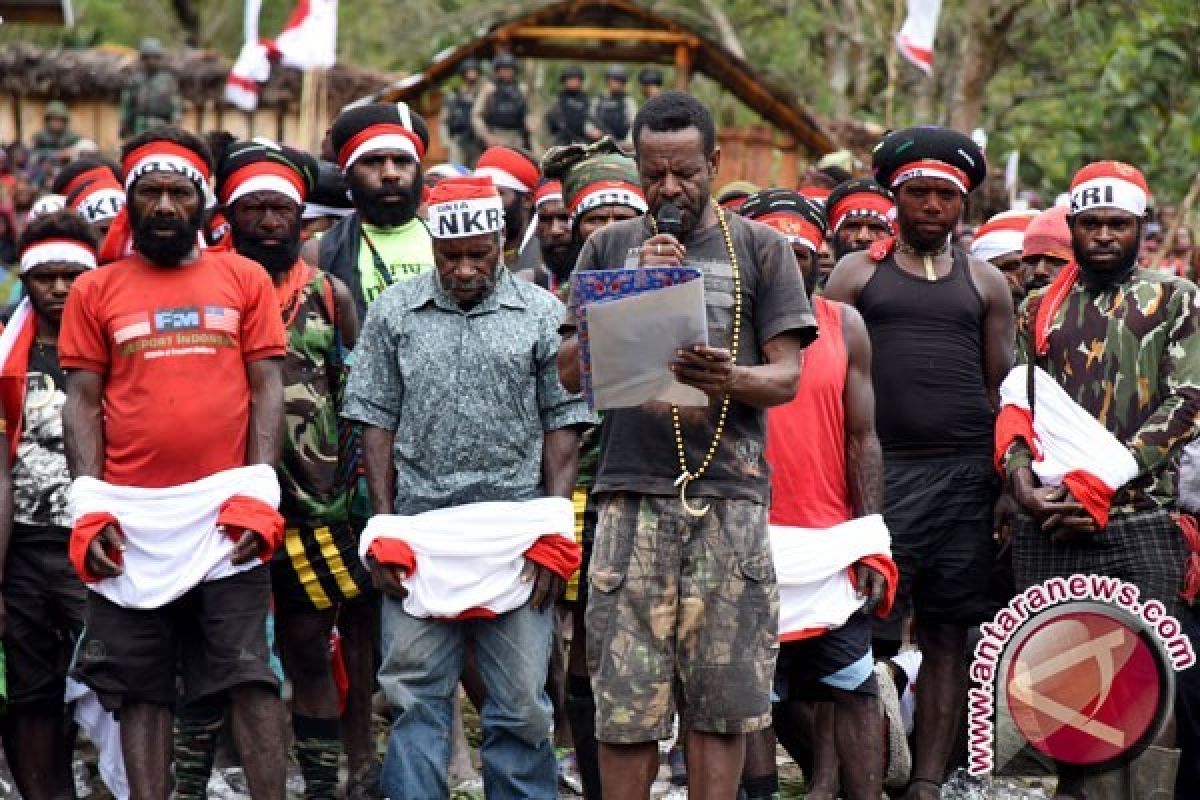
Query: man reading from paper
(682, 493)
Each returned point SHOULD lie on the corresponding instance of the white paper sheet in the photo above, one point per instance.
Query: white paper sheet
(634, 339)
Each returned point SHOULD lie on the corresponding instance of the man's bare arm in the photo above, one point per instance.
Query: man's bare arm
(83, 423)
(347, 313)
(264, 444)
(568, 363)
(999, 328)
(381, 468)
(864, 456)
(848, 278)
(560, 462)
(712, 371)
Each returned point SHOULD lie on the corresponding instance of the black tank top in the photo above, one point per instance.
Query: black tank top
(927, 359)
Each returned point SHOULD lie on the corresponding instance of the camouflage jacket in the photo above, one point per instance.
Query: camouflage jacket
(1130, 355)
(313, 491)
(149, 101)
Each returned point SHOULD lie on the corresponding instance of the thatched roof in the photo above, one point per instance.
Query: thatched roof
(622, 30)
(99, 74)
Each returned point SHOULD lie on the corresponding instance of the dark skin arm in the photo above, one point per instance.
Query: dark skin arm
(712, 371)
(310, 251)
(999, 326)
(6, 513)
(264, 442)
(1060, 514)
(381, 482)
(347, 313)
(864, 457)
(83, 430)
(560, 467)
(568, 363)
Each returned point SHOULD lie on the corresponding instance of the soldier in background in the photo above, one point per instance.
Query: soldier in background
(651, 81)
(151, 97)
(613, 113)
(462, 144)
(500, 116)
(567, 119)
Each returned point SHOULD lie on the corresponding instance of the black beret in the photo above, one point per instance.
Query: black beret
(354, 120)
(786, 201)
(928, 143)
(242, 154)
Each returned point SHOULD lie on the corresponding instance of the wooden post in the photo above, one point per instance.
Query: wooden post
(307, 106)
(683, 67)
(889, 111)
(321, 112)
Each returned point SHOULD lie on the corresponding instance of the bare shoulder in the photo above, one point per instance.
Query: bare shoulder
(310, 251)
(849, 277)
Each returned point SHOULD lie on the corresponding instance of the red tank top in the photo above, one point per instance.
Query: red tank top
(806, 438)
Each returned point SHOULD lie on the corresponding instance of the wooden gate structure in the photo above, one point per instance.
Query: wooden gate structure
(613, 31)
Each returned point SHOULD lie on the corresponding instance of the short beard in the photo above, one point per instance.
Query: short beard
(919, 242)
(561, 261)
(275, 259)
(1109, 276)
(169, 252)
(386, 215)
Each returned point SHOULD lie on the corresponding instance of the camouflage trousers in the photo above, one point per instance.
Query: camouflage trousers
(682, 616)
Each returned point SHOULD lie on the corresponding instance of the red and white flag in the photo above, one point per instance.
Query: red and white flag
(309, 40)
(915, 39)
(253, 65)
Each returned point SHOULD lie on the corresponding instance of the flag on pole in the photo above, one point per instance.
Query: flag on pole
(916, 35)
(253, 65)
(309, 40)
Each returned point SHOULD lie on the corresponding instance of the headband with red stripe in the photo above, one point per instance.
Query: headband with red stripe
(548, 192)
(608, 193)
(263, 176)
(380, 136)
(161, 155)
(931, 168)
(96, 194)
(57, 251)
(1110, 184)
(97, 176)
(796, 228)
(861, 204)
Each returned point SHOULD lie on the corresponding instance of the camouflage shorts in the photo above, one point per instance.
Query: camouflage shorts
(681, 610)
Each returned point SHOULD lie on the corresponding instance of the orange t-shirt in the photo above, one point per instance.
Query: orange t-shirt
(172, 344)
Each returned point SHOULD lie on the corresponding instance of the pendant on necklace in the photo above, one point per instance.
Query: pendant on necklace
(930, 272)
(682, 482)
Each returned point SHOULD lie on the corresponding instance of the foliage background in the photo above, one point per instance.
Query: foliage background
(1063, 81)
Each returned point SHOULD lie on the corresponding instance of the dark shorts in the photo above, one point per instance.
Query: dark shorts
(940, 514)
(318, 568)
(682, 615)
(1146, 549)
(838, 659)
(45, 601)
(215, 636)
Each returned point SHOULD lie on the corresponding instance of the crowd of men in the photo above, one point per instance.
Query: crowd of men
(258, 403)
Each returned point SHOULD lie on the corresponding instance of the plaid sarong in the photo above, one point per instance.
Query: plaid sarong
(1146, 549)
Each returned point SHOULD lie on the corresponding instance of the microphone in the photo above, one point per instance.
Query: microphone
(669, 219)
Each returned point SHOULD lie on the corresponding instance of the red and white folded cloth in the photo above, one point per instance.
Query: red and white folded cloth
(814, 570)
(466, 561)
(1070, 447)
(175, 537)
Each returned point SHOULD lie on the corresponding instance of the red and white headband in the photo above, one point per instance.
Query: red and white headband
(607, 193)
(795, 228)
(57, 251)
(263, 176)
(456, 219)
(863, 204)
(100, 205)
(163, 156)
(1109, 192)
(548, 193)
(504, 179)
(382, 136)
(931, 168)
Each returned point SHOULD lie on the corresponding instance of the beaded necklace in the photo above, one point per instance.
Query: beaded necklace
(687, 475)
